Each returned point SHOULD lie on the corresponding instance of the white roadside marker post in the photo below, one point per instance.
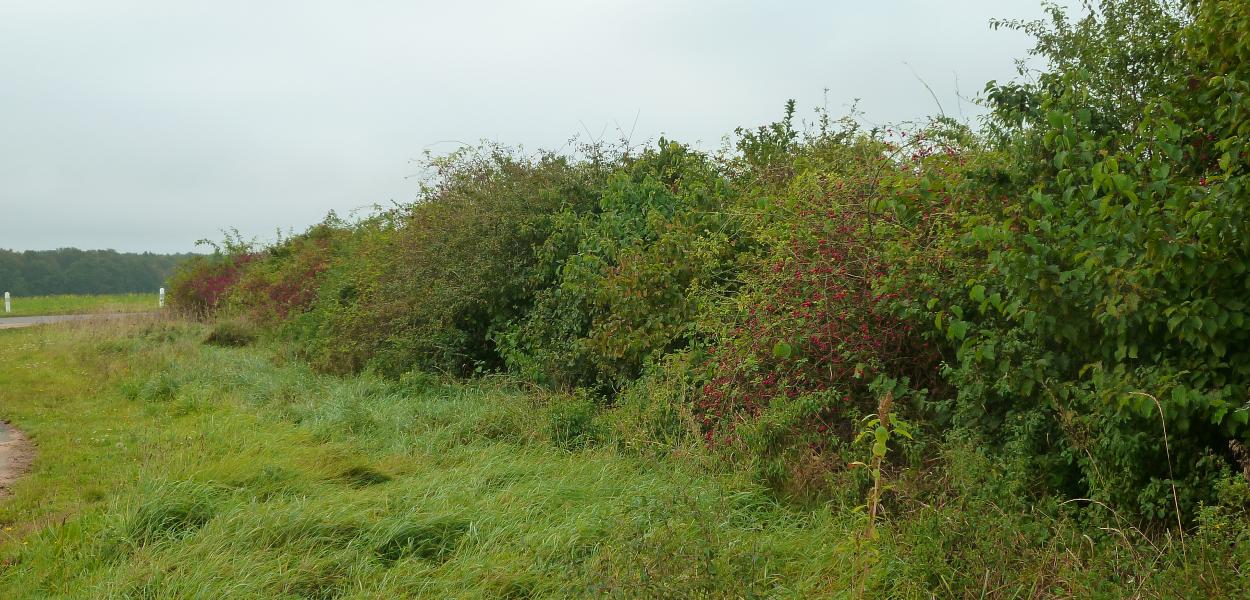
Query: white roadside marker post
(7, 307)
(161, 303)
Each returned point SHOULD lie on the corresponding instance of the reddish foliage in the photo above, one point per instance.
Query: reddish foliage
(285, 284)
(200, 287)
(816, 326)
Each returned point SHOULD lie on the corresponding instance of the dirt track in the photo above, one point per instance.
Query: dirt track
(16, 452)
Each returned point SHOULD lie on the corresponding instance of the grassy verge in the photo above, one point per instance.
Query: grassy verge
(69, 304)
(172, 469)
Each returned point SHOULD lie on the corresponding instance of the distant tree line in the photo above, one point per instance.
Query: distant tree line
(74, 271)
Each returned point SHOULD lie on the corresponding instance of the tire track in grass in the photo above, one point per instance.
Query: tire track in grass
(16, 454)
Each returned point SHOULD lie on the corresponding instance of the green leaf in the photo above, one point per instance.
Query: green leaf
(782, 350)
(977, 293)
(957, 329)
(983, 233)
(997, 300)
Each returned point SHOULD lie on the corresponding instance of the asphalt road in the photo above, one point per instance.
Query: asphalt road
(12, 322)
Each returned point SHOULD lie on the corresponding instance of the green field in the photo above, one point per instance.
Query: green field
(171, 469)
(71, 304)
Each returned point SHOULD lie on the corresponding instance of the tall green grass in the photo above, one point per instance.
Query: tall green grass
(172, 469)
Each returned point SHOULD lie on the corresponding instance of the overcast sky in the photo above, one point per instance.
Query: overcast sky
(146, 125)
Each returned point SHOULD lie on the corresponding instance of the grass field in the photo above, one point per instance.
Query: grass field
(69, 304)
(171, 469)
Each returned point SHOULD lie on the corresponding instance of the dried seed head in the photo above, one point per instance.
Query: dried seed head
(883, 408)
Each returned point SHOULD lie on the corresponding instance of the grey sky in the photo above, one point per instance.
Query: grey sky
(145, 125)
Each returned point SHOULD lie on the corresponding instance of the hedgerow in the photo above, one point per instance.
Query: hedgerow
(1066, 284)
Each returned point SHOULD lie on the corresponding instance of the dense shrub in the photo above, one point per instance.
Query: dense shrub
(201, 284)
(1112, 306)
(231, 334)
(285, 279)
(624, 282)
(432, 286)
(819, 327)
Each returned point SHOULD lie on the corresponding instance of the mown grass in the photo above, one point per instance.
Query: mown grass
(168, 468)
(70, 304)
